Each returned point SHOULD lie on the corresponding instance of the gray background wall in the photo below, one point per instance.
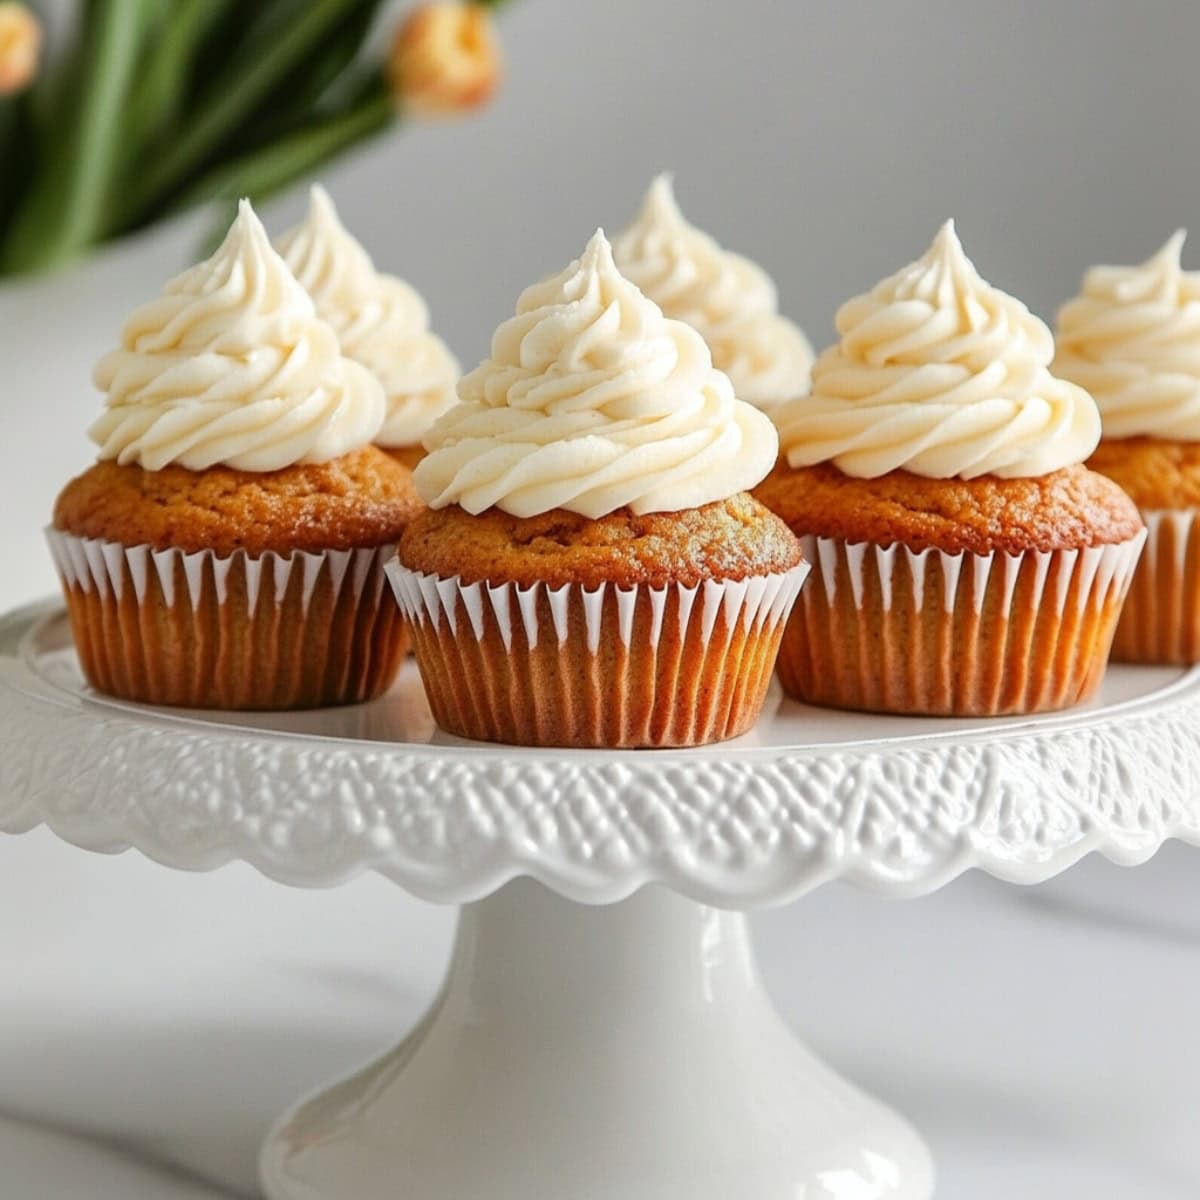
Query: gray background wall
(826, 138)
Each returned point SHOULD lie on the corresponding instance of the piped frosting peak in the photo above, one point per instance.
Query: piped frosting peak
(1132, 338)
(941, 374)
(231, 365)
(593, 401)
(381, 321)
(730, 300)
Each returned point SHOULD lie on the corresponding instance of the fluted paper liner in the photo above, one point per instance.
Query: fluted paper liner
(233, 632)
(1161, 619)
(630, 667)
(888, 629)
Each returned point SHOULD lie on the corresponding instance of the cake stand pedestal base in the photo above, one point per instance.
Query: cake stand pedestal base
(587, 1053)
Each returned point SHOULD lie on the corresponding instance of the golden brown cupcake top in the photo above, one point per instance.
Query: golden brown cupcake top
(364, 498)
(728, 540)
(1156, 472)
(1067, 509)
(408, 455)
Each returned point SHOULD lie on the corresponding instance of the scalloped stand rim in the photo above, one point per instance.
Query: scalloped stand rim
(584, 1053)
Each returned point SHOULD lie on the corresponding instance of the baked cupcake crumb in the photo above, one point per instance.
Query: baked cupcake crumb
(1067, 509)
(363, 498)
(1156, 472)
(728, 540)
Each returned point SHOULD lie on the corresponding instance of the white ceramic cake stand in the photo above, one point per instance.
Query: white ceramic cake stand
(597, 1037)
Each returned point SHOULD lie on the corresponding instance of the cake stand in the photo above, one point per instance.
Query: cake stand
(602, 1032)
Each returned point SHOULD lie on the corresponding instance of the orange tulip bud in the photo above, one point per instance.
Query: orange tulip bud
(445, 59)
(20, 45)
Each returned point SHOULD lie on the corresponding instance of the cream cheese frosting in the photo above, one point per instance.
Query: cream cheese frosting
(381, 321)
(231, 365)
(593, 401)
(730, 300)
(941, 374)
(1132, 338)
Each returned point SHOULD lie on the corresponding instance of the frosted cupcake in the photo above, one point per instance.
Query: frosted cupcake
(965, 562)
(227, 550)
(591, 571)
(380, 321)
(1132, 338)
(730, 300)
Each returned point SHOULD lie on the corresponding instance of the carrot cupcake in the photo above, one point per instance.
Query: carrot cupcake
(730, 300)
(1132, 338)
(591, 571)
(380, 321)
(965, 562)
(227, 550)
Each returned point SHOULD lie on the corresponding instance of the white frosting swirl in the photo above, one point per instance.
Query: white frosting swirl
(380, 320)
(728, 298)
(232, 365)
(940, 374)
(594, 401)
(1132, 338)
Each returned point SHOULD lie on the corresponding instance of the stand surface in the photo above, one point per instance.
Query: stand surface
(901, 804)
(592, 1053)
(580, 1053)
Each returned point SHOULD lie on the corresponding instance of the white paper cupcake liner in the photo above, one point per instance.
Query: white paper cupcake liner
(1161, 619)
(233, 631)
(896, 630)
(755, 601)
(90, 563)
(608, 666)
(957, 578)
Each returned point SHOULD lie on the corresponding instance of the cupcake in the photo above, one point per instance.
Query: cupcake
(730, 300)
(380, 321)
(591, 570)
(966, 563)
(227, 550)
(1132, 338)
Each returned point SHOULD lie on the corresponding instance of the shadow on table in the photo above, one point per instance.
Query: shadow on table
(197, 1100)
(993, 1143)
(39, 1161)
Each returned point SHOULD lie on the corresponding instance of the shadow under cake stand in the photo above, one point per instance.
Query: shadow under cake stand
(602, 1032)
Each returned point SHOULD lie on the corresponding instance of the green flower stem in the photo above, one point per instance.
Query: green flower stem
(9, 135)
(327, 83)
(231, 100)
(63, 210)
(158, 98)
(266, 171)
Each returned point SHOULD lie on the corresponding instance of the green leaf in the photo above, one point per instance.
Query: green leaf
(64, 209)
(158, 100)
(321, 87)
(272, 168)
(13, 152)
(282, 41)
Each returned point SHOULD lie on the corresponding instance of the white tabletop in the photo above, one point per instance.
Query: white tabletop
(153, 1023)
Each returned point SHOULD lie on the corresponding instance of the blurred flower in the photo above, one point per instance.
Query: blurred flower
(445, 59)
(20, 44)
(166, 104)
